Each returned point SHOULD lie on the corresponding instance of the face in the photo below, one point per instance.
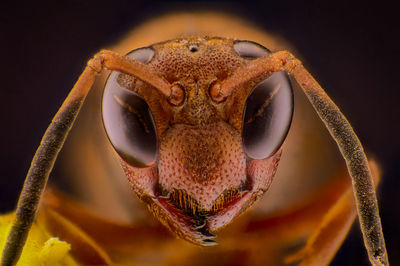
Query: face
(198, 163)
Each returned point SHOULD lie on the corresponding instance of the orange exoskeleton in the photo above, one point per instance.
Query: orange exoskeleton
(197, 123)
(212, 160)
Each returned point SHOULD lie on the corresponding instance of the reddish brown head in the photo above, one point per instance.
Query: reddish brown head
(198, 160)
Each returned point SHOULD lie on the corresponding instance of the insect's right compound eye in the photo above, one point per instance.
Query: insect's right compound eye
(128, 120)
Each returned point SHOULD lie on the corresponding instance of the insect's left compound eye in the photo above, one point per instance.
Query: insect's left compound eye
(128, 120)
(269, 108)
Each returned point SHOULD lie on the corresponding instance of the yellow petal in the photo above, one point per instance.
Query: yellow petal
(40, 249)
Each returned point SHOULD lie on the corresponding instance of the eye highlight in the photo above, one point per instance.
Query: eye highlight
(127, 118)
(144, 55)
(269, 108)
(249, 49)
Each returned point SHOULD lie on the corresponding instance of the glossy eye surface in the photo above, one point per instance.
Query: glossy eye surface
(128, 120)
(250, 50)
(269, 108)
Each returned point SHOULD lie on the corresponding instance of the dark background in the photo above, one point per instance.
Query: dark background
(351, 48)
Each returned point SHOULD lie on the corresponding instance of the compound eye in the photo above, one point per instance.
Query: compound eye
(143, 55)
(269, 108)
(127, 118)
(250, 50)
